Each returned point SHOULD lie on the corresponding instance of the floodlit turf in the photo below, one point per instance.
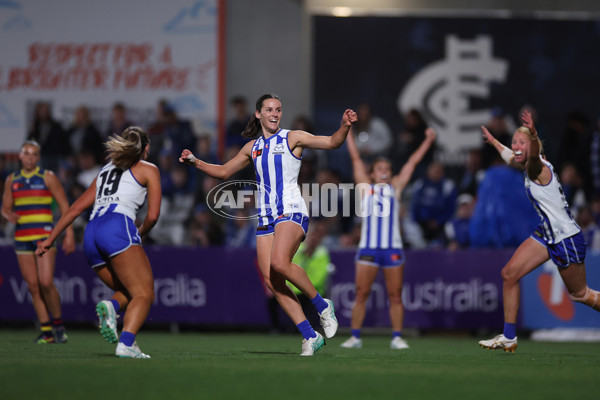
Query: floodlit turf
(262, 366)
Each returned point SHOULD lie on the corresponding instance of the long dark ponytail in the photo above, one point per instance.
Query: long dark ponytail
(253, 129)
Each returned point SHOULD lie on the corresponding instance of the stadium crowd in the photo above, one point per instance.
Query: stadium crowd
(445, 206)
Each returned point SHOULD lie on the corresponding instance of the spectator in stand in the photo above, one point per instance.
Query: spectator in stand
(433, 202)
(205, 230)
(205, 150)
(407, 141)
(457, 229)
(572, 186)
(50, 135)
(589, 228)
(170, 132)
(88, 168)
(235, 126)
(373, 135)
(595, 159)
(240, 232)
(118, 120)
(473, 173)
(176, 208)
(83, 136)
(574, 148)
(595, 207)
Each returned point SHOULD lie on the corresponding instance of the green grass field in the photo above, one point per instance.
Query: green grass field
(262, 366)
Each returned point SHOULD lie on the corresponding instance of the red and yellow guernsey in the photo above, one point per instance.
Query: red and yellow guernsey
(33, 203)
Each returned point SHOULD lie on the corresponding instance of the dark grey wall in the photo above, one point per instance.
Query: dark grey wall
(267, 52)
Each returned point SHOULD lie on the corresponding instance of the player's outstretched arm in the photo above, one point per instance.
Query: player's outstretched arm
(506, 153)
(307, 140)
(79, 206)
(237, 163)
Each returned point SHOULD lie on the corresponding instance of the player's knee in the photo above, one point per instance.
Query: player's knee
(147, 297)
(395, 297)
(279, 264)
(362, 294)
(586, 296)
(34, 289)
(46, 285)
(508, 274)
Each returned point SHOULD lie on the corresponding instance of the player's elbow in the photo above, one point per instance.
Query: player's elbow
(334, 143)
(152, 218)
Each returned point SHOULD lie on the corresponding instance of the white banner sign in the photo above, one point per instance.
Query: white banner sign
(71, 53)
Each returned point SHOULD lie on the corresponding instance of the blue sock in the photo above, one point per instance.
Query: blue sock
(319, 303)
(396, 334)
(115, 305)
(127, 338)
(356, 333)
(510, 330)
(305, 329)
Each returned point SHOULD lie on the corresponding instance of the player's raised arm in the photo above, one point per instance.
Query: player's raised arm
(401, 180)
(307, 140)
(534, 165)
(506, 153)
(358, 166)
(237, 163)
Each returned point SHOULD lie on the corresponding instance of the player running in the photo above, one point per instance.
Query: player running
(558, 237)
(112, 243)
(283, 218)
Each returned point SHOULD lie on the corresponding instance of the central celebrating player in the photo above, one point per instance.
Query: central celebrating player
(283, 220)
(558, 237)
(380, 241)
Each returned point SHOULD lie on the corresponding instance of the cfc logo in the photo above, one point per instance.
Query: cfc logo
(444, 90)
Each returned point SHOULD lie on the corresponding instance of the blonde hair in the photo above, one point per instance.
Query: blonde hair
(126, 149)
(525, 130)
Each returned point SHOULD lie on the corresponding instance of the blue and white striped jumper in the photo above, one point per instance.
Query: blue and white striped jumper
(549, 201)
(380, 218)
(277, 171)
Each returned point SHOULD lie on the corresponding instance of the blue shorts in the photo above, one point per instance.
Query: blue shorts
(108, 235)
(28, 247)
(386, 258)
(298, 218)
(566, 252)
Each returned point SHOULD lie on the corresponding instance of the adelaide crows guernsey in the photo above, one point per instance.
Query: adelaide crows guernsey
(33, 205)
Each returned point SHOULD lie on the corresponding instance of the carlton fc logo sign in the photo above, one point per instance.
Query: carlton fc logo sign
(443, 91)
